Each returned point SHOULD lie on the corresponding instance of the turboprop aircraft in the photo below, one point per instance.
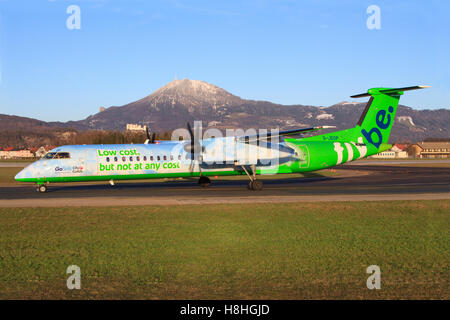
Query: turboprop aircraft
(250, 154)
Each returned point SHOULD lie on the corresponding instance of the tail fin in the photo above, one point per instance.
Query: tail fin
(374, 127)
(376, 121)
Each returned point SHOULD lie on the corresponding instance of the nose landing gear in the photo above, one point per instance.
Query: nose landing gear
(42, 188)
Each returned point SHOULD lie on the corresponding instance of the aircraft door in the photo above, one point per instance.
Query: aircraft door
(79, 164)
(90, 162)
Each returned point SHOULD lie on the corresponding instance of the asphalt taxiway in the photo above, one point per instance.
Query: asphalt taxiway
(359, 183)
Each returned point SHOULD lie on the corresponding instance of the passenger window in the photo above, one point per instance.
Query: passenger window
(165, 158)
(123, 159)
(145, 158)
(179, 157)
(115, 159)
(171, 157)
(131, 158)
(107, 159)
(158, 158)
(138, 158)
(151, 158)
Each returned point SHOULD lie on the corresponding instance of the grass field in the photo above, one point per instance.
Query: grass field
(273, 251)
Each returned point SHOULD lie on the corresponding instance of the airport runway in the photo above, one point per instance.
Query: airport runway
(359, 183)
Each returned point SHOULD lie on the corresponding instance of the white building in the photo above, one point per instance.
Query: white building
(393, 153)
(16, 154)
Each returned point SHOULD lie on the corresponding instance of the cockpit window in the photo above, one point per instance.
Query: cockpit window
(49, 155)
(62, 155)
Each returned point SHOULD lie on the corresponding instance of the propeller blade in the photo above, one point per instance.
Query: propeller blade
(195, 147)
(191, 133)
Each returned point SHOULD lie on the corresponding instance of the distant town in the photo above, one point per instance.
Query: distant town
(420, 150)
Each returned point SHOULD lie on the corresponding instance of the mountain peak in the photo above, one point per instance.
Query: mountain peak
(187, 86)
(197, 91)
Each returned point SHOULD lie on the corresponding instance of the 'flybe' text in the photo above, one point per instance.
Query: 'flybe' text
(383, 120)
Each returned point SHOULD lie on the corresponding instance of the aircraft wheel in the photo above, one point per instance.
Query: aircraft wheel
(204, 182)
(256, 185)
(250, 185)
(42, 188)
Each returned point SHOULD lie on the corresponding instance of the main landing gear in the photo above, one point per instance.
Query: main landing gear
(42, 188)
(253, 184)
(204, 181)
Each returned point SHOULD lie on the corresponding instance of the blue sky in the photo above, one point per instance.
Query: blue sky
(290, 52)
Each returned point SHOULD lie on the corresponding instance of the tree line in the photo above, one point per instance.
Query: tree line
(24, 139)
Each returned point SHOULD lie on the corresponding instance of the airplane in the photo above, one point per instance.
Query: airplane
(249, 154)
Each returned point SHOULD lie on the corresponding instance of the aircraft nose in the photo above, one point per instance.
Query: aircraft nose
(24, 173)
(20, 175)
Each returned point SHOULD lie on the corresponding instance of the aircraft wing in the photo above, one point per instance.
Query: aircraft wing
(271, 135)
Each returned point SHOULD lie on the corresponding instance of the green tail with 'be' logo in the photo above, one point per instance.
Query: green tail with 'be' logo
(374, 127)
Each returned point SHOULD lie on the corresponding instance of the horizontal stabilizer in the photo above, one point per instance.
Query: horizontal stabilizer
(388, 91)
